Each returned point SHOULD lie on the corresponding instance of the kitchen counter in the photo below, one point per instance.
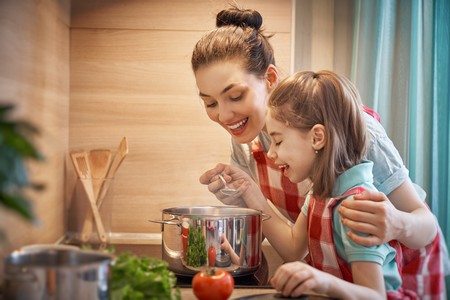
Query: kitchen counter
(251, 293)
(244, 289)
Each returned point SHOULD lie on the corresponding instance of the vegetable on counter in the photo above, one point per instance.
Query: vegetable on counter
(196, 248)
(134, 277)
(213, 284)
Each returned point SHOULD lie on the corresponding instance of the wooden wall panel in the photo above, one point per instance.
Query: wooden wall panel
(34, 75)
(323, 37)
(193, 15)
(131, 76)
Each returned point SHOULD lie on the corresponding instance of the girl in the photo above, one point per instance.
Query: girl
(235, 71)
(318, 133)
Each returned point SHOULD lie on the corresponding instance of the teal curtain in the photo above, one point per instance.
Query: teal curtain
(401, 65)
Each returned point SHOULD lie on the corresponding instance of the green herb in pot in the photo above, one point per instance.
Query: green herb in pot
(134, 277)
(196, 248)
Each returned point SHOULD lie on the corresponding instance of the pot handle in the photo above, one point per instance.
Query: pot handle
(265, 217)
(173, 221)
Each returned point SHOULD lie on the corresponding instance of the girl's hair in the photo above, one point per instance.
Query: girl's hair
(238, 37)
(308, 98)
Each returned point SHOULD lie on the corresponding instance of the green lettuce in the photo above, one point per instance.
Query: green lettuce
(134, 278)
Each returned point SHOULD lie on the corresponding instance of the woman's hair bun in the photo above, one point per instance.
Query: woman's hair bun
(239, 17)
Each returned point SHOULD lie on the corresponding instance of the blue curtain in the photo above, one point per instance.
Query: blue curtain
(401, 66)
(440, 129)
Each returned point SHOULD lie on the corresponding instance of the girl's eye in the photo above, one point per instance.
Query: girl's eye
(275, 143)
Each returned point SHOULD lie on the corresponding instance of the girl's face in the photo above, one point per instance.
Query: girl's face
(291, 149)
(233, 98)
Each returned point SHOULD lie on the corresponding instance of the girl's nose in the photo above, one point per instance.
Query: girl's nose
(271, 154)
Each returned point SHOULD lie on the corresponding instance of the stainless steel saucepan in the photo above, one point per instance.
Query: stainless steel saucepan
(225, 237)
(56, 274)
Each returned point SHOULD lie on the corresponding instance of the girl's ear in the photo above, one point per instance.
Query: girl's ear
(272, 76)
(319, 137)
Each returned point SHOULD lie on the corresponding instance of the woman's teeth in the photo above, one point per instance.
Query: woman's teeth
(237, 125)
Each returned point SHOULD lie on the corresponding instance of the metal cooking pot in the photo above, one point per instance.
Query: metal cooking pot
(226, 237)
(56, 274)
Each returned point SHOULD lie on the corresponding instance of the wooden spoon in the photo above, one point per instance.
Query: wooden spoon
(121, 152)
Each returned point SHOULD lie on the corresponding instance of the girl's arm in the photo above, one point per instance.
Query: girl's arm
(290, 241)
(404, 218)
(297, 278)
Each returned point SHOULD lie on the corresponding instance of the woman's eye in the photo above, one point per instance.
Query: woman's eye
(237, 98)
(210, 105)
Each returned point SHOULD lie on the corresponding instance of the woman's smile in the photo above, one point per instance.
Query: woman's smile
(237, 127)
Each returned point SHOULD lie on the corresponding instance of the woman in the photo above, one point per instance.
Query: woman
(235, 71)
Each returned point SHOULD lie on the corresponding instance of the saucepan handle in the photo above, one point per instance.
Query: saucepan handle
(173, 221)
(265, 217)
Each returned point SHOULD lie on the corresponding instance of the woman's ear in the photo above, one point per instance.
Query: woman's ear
(272, 76)
(319, 137)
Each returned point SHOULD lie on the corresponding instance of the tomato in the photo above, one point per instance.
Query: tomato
(211, 256)
(213, 284)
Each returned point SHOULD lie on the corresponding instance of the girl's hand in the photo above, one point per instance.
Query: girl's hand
(296, 278)
(235, 178)
(372, 214)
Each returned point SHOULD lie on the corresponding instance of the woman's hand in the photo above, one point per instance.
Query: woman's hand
(403, 217)
(376, 217)
(235, 178)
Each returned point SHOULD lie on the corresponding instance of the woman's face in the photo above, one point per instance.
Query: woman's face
(233, 98)
(291, 149)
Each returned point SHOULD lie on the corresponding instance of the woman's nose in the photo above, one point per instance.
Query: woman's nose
(226, 114)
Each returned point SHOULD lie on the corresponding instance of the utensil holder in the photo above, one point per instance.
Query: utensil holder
(80, 212)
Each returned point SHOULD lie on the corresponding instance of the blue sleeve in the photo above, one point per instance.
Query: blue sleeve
(389, 172)
(350, 251)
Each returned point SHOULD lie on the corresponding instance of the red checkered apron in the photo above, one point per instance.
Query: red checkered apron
(275, 186)
(423, 269)
(322, 251)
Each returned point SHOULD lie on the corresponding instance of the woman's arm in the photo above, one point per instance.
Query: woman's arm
(404, 218)
(296, 278)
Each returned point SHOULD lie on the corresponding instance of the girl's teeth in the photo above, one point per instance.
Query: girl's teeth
(237, 125)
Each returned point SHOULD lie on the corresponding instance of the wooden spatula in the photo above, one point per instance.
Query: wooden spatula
(80, 161)
(99, 162)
